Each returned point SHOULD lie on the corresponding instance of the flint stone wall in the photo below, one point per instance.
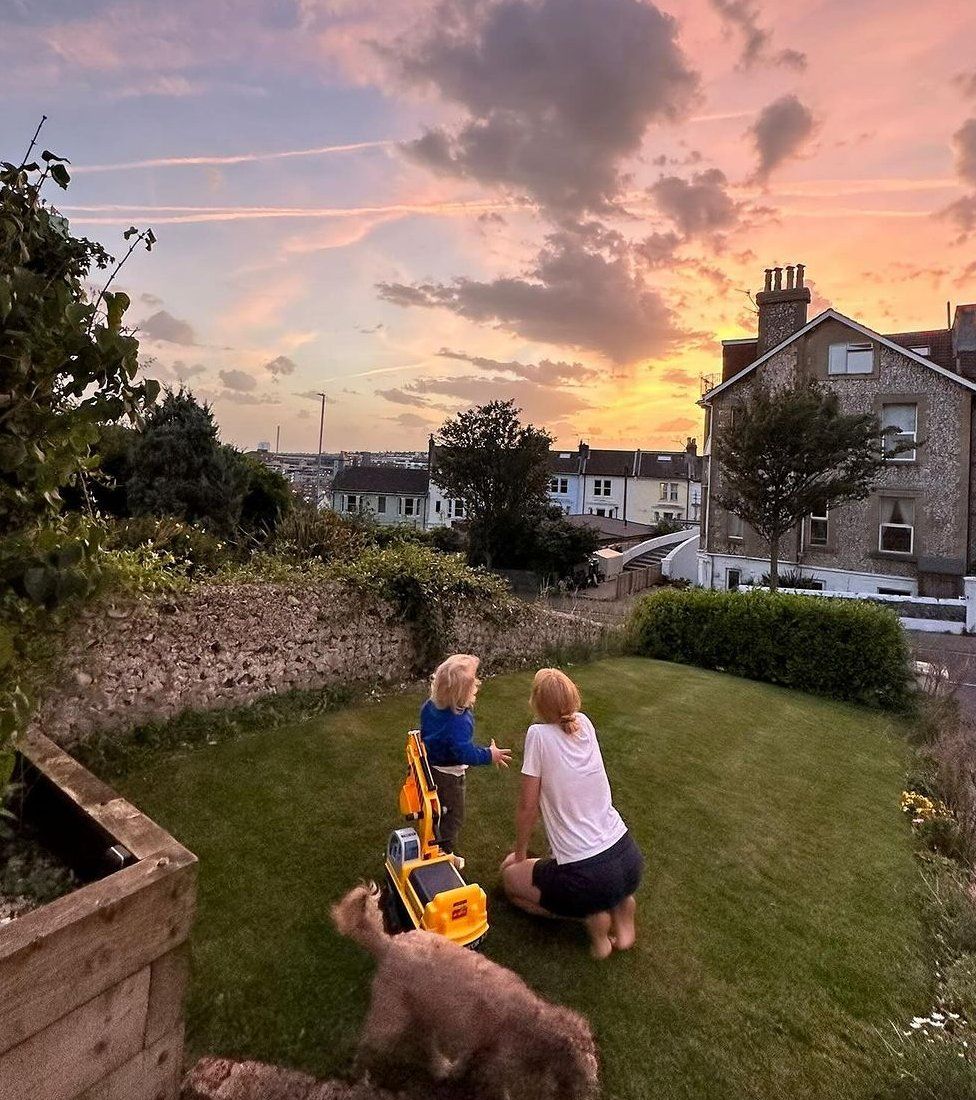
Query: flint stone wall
(224, 645)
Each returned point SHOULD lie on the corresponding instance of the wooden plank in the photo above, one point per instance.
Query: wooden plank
(81, 1048)
(153, 1074)
(167, 989)
(60, 956)
(131, 828)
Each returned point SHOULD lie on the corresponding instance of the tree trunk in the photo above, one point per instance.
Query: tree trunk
(774, 564)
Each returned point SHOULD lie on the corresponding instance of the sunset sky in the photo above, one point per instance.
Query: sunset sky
(416, 206)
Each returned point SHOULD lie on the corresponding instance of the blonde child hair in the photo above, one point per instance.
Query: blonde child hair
(454, 683)
(556, 699)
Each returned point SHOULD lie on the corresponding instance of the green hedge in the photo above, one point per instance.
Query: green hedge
(845, 649)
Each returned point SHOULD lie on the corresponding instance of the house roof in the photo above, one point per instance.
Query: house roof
(392, 480)
(937, 340)
(834, 315)
(640, 463)
(612, 530)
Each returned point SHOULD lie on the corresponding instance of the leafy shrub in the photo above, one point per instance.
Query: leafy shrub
(840, 648)
(195, 548)
(426, 587)
(307, 533)
(793, 578)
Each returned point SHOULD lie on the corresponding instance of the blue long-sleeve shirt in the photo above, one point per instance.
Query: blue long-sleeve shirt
(449, 737)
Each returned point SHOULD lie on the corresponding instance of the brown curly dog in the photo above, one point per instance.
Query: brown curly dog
(474, 1016)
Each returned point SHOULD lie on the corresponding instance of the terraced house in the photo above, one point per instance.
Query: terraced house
(916, 533)
(639, 486)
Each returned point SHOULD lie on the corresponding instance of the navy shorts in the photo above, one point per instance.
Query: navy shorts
(589, 885)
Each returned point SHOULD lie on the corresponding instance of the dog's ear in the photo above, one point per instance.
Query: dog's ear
(372, 889)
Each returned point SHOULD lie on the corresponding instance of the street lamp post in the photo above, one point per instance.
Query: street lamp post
(318, 470)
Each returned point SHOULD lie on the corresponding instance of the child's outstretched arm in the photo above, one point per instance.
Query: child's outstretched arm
(467, 752)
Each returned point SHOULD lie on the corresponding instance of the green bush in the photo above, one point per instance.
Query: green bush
(426, 587)
(194, 548)
(844, 649)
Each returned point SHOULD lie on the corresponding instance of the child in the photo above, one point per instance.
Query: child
(447, 730)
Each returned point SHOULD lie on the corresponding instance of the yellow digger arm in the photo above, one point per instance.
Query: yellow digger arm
(419, 800)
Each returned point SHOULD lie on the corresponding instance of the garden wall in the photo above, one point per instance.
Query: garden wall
(224, 645)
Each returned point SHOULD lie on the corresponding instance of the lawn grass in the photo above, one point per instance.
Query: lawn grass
(780, 915)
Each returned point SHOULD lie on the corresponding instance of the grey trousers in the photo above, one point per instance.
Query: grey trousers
(450, 790)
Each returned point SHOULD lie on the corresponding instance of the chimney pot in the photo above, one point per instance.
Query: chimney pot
(777, 278)
(799, 275)
(789, 276)
(769, 279)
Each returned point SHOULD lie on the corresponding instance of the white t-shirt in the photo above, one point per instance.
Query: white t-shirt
(577, 812)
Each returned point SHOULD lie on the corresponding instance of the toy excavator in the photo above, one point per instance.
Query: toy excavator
(424, 887)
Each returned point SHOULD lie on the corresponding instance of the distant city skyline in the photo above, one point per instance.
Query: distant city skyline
(418, 205)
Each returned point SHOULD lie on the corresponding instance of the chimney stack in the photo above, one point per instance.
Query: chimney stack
(964, 341)
(782, 309)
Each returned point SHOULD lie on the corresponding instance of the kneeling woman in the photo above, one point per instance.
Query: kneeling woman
(596, 865)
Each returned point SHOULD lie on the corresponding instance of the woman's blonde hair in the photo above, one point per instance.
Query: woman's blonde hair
(556, 699)
(453, 682)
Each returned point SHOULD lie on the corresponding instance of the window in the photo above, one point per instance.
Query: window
(897, 528)
(437, 507)
(601, 511)
(459, 508)
(850, 359)
(381, 506)
(925, 350)
(352, 502)
(559, 485)
(737, 527)
(601, 487)
(669, 490)
(733, 578)
(894, 591)
(410, 506)
(819, 525)
(904, 420)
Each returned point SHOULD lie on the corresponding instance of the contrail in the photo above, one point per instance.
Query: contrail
(174, 215)
(239, 158)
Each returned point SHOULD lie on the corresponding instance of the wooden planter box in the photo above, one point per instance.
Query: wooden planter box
(91, 985)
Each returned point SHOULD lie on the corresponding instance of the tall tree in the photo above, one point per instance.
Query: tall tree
(180, 468)
(499, 467)
(790, 451)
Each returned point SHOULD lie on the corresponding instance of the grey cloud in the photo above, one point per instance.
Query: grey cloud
(962, 213)
(780, 132)
(964, 143)
(658, 249)
(238, 380)
(411, 420)
(400, 397)
(279, 366)
(249, 398)
(546, 372)
(743, 16)
(678, 377)
(150, 300)
(583, 292)
(536, 401)
(966, 83)
(534, 124)
(699, 206)
(164, 326)
(184, 370)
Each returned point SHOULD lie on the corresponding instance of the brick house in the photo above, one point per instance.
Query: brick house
(916, 533)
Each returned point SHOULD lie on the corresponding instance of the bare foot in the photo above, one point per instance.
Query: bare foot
(598, 927)
(623, 930)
